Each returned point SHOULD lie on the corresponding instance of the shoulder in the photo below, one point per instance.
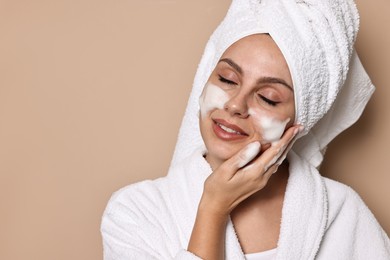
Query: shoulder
(136, 223)
(148, 219)
(137, 199)
(338, 191)
(348, 211)
(352, 229)
(341, 194)
(342, 198)
(149, 198)
(352, 232)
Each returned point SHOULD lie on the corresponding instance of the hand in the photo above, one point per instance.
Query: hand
(243, 174)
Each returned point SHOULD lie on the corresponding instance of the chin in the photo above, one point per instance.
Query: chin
(218, 149)
(219, 152)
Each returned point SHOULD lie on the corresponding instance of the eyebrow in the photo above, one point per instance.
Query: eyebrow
(262, 80)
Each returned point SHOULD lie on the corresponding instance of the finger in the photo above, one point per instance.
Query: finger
(289, 134)
(280, 148)
(262, 182)
(248, 154)
(277, 149)
(256, 184)
(243, 157)
(289, 146)
(267, 175)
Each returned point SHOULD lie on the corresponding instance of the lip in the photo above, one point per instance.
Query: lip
(222, 134)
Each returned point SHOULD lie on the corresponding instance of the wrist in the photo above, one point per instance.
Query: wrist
(211, 211)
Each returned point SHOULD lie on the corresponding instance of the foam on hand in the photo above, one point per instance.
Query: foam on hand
(249, 153)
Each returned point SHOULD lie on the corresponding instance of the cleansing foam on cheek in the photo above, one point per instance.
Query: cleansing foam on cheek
(272, 129)
(213, 97)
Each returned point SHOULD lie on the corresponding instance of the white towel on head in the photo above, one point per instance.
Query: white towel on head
(316, 38)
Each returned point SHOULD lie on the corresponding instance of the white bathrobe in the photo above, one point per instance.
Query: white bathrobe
(321, 218)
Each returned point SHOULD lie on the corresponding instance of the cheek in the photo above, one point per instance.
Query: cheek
(271, 128)
(212, 97)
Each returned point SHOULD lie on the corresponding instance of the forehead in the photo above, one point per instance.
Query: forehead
(258, 55)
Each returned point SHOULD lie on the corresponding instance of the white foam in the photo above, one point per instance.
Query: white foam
(213, 97)
(272, 129)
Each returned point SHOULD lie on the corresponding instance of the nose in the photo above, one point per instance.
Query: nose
(237, 105)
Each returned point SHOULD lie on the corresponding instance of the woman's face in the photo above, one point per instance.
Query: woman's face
(248, 97)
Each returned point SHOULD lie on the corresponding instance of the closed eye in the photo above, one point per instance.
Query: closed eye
(269, 101)
(224, 80)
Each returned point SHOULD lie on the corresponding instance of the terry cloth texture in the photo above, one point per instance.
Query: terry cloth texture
(321, 219)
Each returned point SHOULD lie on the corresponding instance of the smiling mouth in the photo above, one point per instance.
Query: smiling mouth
(229, 130)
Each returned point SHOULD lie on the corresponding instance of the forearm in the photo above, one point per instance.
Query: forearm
(208, 235)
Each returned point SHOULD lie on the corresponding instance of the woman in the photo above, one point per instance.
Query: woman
(278, 78)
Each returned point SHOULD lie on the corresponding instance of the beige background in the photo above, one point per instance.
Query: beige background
(91, 98)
